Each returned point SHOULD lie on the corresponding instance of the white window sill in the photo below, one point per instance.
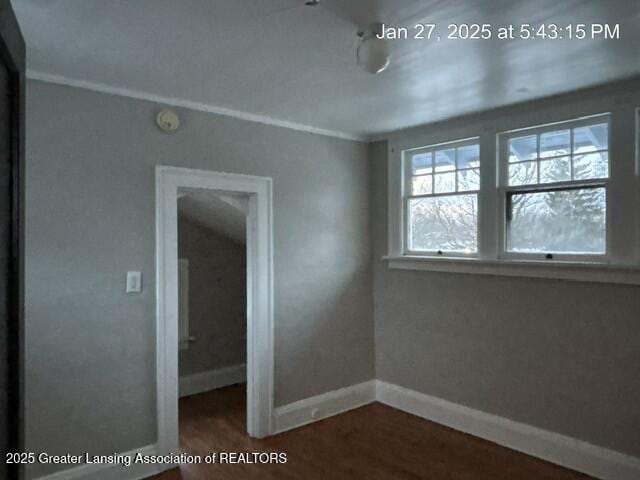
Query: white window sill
(576, 271)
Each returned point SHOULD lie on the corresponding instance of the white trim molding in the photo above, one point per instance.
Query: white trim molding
(188, 104)
(212, 379)
(326, 405)
(623, 187)
(552, 447)
(259, 295)
(574, 271)
(99, 471)
(555, 448)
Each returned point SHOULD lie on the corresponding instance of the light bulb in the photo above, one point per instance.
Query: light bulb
(373, 52)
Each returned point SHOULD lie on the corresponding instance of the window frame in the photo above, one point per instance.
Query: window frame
(620, 266)
(407, 196)
(505, 190)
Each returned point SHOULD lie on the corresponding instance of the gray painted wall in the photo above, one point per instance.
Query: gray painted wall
(217, 299)
(90, 373)
(562, 356)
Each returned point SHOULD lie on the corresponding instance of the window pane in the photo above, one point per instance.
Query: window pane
(447, 223)
(555, 170)
(445, 182)
(555, 144)
(421, 163)
(469, 156)
(592, 165)
(523, 148)
(560, 221)
(524, 173)
(469, 180)
(445, 160)
(591, 138)
(422, 185)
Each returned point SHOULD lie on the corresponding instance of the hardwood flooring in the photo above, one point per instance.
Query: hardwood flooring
(372, 442)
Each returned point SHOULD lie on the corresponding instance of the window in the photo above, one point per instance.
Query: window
(558, 200)
(441, 198)
(555, 181)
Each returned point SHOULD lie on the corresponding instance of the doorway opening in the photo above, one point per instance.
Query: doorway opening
(212, 314)
(179, 190)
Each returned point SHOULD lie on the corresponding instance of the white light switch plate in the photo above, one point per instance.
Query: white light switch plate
(134, 282)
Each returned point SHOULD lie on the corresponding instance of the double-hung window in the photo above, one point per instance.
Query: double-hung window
(553, 182)
(441, 198)
(553, 201)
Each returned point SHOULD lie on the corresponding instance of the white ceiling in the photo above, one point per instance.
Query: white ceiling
(278, 59)
(222, 213)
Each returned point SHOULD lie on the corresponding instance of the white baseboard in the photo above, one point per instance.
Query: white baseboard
(569, 452)
(322, 406)
(112, 472)
(552, 447)
(212, 379)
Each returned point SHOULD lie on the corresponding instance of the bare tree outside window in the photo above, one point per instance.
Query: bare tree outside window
(443, 205)
(556, 192)
(570, 218)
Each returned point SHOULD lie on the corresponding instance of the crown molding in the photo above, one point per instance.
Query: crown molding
(188, 104)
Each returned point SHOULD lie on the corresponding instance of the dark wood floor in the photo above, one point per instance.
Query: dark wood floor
(372, 442)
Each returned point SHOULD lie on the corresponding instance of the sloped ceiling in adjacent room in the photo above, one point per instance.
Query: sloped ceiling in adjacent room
(224, 214)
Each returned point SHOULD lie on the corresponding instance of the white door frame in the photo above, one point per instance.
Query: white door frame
(259, 295)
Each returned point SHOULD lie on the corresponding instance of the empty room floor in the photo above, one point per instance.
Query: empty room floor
(372, 442)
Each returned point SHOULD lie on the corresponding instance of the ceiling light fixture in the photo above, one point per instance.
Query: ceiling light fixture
(373, 52)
